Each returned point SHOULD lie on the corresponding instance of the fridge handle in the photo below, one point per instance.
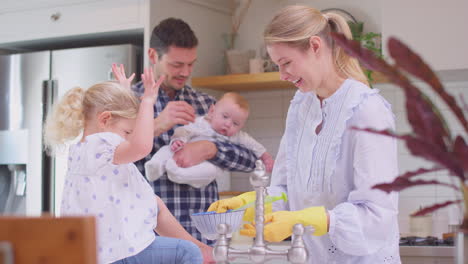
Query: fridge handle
(49, 94)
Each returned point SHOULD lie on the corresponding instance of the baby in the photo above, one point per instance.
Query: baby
(223, 122)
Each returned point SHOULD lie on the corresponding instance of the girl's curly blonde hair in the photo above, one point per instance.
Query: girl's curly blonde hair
(67, 119)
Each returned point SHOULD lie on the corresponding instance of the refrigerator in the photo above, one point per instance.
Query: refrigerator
(31, 182)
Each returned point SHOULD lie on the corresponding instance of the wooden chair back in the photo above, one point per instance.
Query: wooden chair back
(47, 240)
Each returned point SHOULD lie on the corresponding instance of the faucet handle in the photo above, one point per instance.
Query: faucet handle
(223, 229)
(298, 252)
(221, 248)
(259, 177)
(259, 168)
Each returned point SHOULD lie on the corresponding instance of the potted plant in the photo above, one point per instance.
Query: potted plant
(369, 40)
(237, 61)
(430, 138)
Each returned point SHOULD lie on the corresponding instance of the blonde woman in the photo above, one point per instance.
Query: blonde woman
(102, 180)
(326, 168)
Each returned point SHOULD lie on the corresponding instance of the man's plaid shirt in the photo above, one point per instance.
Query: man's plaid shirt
(182, 199)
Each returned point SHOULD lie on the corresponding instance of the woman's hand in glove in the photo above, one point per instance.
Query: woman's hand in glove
(279, 225)
(223, 205)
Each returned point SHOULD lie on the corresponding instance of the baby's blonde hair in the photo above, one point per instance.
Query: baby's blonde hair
(237, 99)
(294, 25)
(67, 119)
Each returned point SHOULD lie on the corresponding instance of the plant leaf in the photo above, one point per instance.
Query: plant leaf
(460, 149)
(354, 48)
(424, 149)
(465, 105)
(426, 120)
(434, 207)
(420, 112)
(411, 62)
(401, 183)
(411, 174)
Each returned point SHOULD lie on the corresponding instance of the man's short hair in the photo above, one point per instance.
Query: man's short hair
(172, 32)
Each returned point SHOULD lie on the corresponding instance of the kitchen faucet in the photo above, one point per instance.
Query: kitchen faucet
(259, 251)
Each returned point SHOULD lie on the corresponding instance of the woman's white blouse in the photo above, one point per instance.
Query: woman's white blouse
(337, 168)
(121, 199)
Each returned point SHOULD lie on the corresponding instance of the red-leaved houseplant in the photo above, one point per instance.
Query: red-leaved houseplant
(430, 137)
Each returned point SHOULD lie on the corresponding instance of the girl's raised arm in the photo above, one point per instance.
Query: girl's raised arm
(140, 142)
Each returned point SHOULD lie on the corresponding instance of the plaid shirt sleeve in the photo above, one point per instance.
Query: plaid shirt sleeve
(234, 157)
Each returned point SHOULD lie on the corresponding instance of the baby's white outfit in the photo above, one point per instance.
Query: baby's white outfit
(120, 198)
(202, 174)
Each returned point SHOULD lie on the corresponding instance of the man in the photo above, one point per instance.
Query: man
(173, 52)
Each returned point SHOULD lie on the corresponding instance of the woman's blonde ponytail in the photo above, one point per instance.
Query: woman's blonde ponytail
(345, 64)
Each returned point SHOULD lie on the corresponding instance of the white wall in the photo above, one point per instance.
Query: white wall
(437, 29)
(262, 11)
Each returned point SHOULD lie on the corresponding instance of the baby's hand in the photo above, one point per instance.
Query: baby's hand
(177, 145)
(119, 74)
(268, 161)
(151, 88)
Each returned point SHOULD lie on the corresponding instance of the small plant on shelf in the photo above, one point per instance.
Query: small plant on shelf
(369, 40)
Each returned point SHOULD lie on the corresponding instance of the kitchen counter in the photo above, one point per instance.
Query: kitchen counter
(427, 251)
(427, 254)
(409, 254)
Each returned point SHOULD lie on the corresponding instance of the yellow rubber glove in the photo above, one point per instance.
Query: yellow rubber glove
(249, 215)
(235, 202)
(279, 224)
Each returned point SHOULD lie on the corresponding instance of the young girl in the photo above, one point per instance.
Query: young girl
(102, 180)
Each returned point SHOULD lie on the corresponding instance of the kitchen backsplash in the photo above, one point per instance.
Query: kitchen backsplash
(266, 124)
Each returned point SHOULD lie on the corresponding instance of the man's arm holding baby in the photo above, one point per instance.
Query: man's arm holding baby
(225, 155)
(258, 149)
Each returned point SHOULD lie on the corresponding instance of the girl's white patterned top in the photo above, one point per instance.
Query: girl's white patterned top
(122, 201)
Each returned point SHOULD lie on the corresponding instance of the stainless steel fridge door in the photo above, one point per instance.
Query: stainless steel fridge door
(21, 108)
(84, 67)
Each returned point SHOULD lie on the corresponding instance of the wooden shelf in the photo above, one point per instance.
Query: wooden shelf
(242, 82)
(230, 193)
(253, 82)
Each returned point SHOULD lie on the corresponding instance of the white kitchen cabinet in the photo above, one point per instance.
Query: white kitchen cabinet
(7, 6)
(32, 20)
(434, 29)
